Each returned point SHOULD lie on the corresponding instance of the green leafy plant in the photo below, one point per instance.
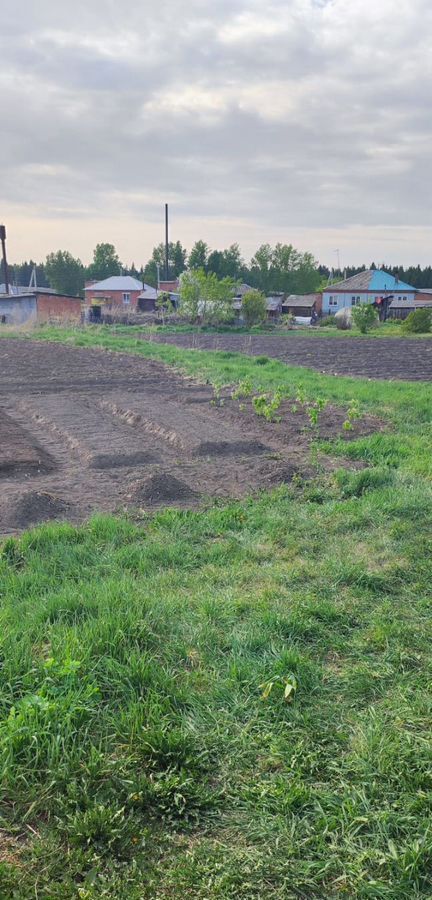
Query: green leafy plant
(254, 308)
(267, 405)
(352, 415)
(418, 322)
(243, 389)
(286, 683)
(364, 317)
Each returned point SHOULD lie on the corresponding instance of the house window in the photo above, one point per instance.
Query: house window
(403, 298)
(355, 300)
(333, 301)
(126, 299)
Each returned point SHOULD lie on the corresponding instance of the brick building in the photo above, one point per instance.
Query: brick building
(39, 307)
(116, 292)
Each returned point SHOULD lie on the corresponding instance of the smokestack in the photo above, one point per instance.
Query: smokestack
(166, 243)
(5, 266)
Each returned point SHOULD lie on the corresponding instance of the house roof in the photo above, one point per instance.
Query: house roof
(305, 300)
(243, 289)
(148, 292)
(371, 280)
(273, 303)
(116, 283)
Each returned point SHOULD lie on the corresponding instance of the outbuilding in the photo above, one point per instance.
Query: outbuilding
(302, 304)
(39, 307)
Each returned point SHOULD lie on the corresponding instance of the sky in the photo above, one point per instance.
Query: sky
(301, 121)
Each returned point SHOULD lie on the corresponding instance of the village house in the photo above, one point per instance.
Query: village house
(373, 286)
(118, 291)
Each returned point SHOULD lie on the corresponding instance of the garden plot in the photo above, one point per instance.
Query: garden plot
(83, 431)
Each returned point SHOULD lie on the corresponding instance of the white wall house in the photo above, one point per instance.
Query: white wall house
(366, 287)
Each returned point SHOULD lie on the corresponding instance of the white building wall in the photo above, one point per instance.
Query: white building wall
(333, 302)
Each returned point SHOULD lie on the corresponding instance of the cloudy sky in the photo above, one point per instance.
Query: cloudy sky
(304, 121)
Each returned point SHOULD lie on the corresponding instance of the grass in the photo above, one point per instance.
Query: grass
(142, 754)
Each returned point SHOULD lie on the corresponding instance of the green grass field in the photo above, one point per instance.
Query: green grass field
(233, 702)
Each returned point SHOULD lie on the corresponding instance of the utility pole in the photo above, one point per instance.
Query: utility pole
(166, 244)
(3, 243)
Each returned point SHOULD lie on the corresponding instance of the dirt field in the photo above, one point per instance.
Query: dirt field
(390, 358)
(87, 430)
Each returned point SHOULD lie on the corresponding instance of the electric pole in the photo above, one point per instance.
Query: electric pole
(3, 243)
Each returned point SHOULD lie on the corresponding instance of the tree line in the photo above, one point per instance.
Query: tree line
(281, 268)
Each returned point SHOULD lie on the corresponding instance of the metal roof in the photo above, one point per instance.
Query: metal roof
(116, 283)
(148, 292)
(371, 280)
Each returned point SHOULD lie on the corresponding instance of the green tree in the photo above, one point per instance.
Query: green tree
(198, 256)
(364, 317)
(177, 257)
(65, 273)
(226, 263)
(254, 308)
(205, 298)
(283, 268)
(106, 262)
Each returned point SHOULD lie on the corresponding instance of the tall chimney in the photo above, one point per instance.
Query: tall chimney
(5, 266)
(166, 244)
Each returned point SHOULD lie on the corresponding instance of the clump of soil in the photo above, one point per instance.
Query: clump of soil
(35, 507)
(116, 461)
(165, 488)
(231, 448)
(285, 474)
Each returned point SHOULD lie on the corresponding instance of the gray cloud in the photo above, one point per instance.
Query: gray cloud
(290, 115)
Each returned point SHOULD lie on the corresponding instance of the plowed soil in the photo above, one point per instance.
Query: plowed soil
(88, 430)
(407, 359)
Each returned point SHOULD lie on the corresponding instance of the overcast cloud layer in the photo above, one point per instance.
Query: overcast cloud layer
(295, 120)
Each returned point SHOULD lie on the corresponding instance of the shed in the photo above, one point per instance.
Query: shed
(39, 307)
(400, 309)
(302, 304)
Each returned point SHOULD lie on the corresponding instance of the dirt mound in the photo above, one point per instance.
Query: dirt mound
(116, 461)
(36, 507)
(284, 474)
(231, 448)
(165, 488)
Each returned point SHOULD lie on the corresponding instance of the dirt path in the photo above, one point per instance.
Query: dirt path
(390, 358)
(90, 430)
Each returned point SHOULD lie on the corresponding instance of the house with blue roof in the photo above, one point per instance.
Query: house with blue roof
(373, 286)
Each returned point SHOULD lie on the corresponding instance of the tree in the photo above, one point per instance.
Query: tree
(65, 273)
(364, 316)
(226, 263)
(205, 298)
(164, 305)
(198, 256)
(254, 308)
(106, 262)
(177, 256)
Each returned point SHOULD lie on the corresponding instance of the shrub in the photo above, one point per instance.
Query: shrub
(418, 322)
(364, 316)
(254, 308)
(327, 322)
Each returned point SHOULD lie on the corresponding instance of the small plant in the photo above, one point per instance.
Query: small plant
(352, 415)
(217, 399)
(267, 405)
(418, 322)
(243, 389)
(364, 317)
(287, 683)
(314, 410)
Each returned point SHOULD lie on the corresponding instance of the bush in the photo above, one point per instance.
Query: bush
(418, 322)
(364, 317)
(254, 308)
(327, 322)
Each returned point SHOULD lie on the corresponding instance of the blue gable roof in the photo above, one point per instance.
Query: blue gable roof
(383, 281)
